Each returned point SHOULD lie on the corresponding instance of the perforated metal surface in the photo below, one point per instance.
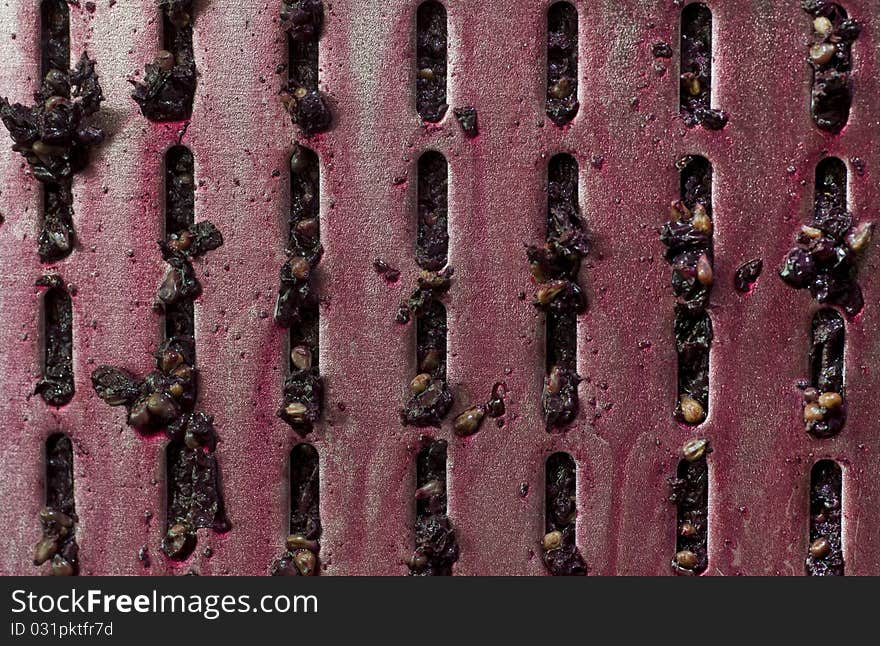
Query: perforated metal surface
(626, 446)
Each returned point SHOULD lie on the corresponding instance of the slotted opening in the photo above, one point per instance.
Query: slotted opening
(430, 398)
(54, 36)
(305, 511)
(180, 200)
(825, 260)
(830, 57)
(690, 492)
(178, 321)
(831, 186)
(298, 304)
(693, 338)
(169, 82)
(562, 63)
(304, 237)
(436, 546)
(302, 63)
(825, 553)
(56, 237)
(556, 267)
(174, 30)
(562, 204)
(560, 552)
(300, 557)
(303, 23)
(824, 399)
(432, 238)
(59, 474)
(56, 386)
(431, 61)
(695, 88)
(58, 518)
(691, 255)
(179, 494)
(696, 58)
(827, 338)
(177, 39)
(431, 332)
(180, 196)
(194, 497)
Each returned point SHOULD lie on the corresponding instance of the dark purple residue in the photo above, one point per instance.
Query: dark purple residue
(436, 546)
(830, 57)
(58, 518)
(560, 552)
(54, 134)
(169, 85)
(562, 63)
(431, 61)
(303, 20)
(825, 554)
(688, 238)
(300, 557)
(555, 266)
(297, 307)
(825, 258)
(747, 275)
(689, 491)
(56, 385)
(696, 69)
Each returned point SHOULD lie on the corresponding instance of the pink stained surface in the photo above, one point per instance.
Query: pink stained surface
(625, 447)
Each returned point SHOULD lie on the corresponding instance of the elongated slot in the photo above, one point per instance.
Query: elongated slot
(56, 237)
(830, 57)
(302, 64)
(825, 397)
(556, 266)
(430, 398)
(169, 82)
(298, 302)
(695, 90)
(436, 546)
(303, 24)
(690, 493)
(562, 63)
(194, 494)
(688, 236)
(177, 40)
(177, 27)
(58, 518)
(560, 552)
(179, 216)
(59, 474)
(830, 195)
(825, 553)
(305, 513)
(195, 499)
(54, 37)
(304, 237)
(432, 238)
(300, 557)
(431, 61)
(825, 259)
(56, 386)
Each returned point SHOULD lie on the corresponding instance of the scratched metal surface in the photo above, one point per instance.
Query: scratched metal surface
(625, 446)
